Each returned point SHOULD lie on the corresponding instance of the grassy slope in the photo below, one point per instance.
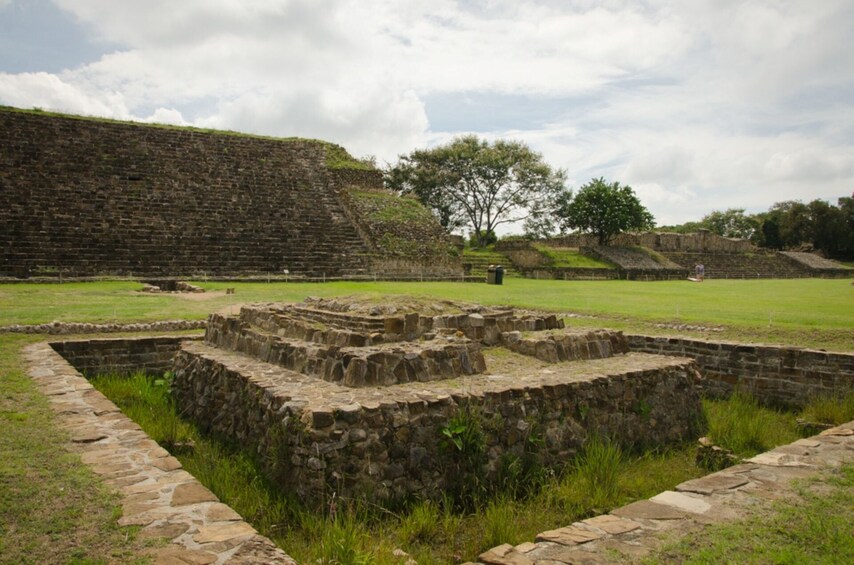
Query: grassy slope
(570, 257)
(805, 312)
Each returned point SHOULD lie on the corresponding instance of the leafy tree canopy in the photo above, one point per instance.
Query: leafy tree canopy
(731, 223)
(605, 210)
(473, 183)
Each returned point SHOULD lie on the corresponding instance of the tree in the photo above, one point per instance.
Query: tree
(473, 183)
(544, 221)
(605, 210)
(730, 223)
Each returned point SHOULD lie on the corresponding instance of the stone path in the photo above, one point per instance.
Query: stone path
(637, 529)
(158, 495)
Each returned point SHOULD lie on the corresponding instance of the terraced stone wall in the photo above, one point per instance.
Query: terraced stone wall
(784, 376)
(82, 197)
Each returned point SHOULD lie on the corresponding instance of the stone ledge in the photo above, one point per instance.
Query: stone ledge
(633, 531)
(157, 493)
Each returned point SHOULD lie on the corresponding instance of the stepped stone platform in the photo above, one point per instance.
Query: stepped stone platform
(353, 397)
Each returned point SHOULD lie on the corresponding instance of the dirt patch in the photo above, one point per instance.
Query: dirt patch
(194, 296)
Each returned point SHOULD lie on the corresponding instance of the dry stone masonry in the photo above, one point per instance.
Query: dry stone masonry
(353, 397)
(782, 376)
(167, 503)
(82, 197)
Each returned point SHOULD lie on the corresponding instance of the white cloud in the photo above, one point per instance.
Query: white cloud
(47, 91)
(166, 116)
(700, 105)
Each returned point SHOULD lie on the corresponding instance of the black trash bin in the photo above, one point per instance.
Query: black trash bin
(499, 274)
(490, 274)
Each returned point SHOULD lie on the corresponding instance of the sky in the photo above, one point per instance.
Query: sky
(699, 105)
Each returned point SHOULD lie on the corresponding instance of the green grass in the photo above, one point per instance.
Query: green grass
(742, 426)
(53, 509)
(570, 257)
(830, 410)
(604, 476)
(816, 528)
(802, 312)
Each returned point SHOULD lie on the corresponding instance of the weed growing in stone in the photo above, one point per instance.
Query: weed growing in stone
(463, 444)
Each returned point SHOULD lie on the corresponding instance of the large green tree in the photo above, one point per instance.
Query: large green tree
(473, 183)
(605, 210)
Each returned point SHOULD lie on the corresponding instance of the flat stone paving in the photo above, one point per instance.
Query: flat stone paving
(634, 531)
(158, 495)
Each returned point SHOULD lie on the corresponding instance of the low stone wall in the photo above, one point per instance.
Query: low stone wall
(61, 328)
(318, 438)
(596, 344)
(185, 521)
(570, 273)
(123, 356)
(784, 376)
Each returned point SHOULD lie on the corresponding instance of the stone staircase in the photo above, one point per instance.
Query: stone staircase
(758, 265)
(83, 197)
(476, 264)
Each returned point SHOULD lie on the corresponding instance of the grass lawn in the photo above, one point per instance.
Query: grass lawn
(803, 312)
(53, 509)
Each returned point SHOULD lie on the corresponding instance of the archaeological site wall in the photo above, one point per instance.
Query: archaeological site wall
(83, 197)
(358, 403)
(783, 376)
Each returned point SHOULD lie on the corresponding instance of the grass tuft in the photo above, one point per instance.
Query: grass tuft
(742, 426)
(831, 410)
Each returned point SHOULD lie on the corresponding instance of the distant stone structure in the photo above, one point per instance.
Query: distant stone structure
(84, 197)
(662, 256)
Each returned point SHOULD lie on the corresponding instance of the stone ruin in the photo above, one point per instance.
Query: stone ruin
(353, 396)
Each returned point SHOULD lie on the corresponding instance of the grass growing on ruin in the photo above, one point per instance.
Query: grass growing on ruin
(604, 476)
(745, 428)
(830, 410)
(53, 509)
(569, 257)
(804, 312)
(816, 528)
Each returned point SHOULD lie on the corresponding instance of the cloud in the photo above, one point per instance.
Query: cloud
(701, 105)
(47, 91)
(368, 122)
